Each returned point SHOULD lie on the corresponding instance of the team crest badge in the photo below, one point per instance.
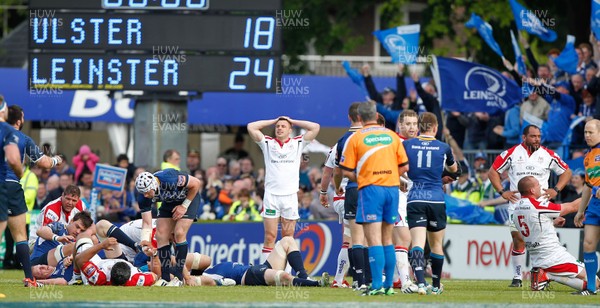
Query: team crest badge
(597, 158)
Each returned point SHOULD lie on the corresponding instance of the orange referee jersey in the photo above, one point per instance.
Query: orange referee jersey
(375, 153)
(591, 162)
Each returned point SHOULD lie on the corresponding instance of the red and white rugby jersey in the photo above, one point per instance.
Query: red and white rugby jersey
(533, 219)
(96, 272)
(520, 163)
(53, 212)
(282, 164)
(133, 229)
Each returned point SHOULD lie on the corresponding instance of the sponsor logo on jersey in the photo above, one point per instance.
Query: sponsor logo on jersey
(530, 167)
(52, 216)
(89, 270)
(597, 158)
(371, 217)
(141, 280)
(180, 180)
(373, 139)
(270, 212)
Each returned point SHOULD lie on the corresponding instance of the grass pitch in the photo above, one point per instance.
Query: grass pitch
(456, 293)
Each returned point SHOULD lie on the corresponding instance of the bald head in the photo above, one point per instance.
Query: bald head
(592, 132)
(526, 186)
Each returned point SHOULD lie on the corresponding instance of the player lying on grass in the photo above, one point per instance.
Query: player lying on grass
(128, 235)
(270, 273)
(99, 272)
(193, 261)
(535, 221)
(55, 241)
(57, 275)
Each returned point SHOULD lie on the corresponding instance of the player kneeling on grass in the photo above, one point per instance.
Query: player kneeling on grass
(535, 220)
(270, 273)
(99, 272)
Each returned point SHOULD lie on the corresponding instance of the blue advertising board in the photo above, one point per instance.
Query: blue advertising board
(109, 177)
(319, 243)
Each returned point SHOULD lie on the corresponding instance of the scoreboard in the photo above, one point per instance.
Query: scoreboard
(155, 45)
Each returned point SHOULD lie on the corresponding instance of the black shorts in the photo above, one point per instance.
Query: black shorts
(41, 260)
(350, 203)
(425, 214)
(255, 275)
(166, 209)
(12, 200)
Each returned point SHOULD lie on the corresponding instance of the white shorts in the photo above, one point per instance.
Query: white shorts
(402, 205)
(559, 261)
(338, 207)
(134, 234)
(285, 206)
(511, 222)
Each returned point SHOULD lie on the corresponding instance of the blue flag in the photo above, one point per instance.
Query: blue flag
(596, 18)
(402, 43)
(568, 59)
(356, 77)
(485, 30)
(521, 68)
(528, 21)
(471, 87)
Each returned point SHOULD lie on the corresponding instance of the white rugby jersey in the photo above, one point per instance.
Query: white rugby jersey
(533, 219)
(330, 163)
(520, 163)
(282, 164)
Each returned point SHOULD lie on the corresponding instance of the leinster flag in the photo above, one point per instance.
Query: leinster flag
(485, 30)
(402, 43)
(528, 21)
(596, 18)
(568, 59)
(521, 68)
(471, 87)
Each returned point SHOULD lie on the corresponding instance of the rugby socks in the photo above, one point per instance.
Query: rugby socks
(359, 264)
(575, 283)
(402, 270)
(121, 237)
(265, 254)
(23, 256)
(181, 251)
(591, 266)
(164, 255)
(342, 263)
(389, 265)
(300, 282)
(368, 269)
(351, 270)
(417, 261)
(295, 260)
(377, 263)
(437, 263)
(518, 260)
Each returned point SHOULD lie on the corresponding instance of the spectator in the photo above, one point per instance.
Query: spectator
(52, 183)
(535, 106)
(512, 127)
(576, 89)
(237, 151)
(171, 160)
(477, 139)
(213, 191)
(234, 169)
(86, 179)
(244, 209)
(221, 167)
(562, 108)
(64, 181)
(479, 160)
(193, 161)
(428, 95)
(572, 192)
(457, 123)
(123, 162)
(247, 167)
(41, 196)
(587, 110)
(84, 160)
(305, 201)
(586, 62)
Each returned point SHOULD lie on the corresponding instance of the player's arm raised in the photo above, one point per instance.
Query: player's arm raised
(312, 128)
(255, 127)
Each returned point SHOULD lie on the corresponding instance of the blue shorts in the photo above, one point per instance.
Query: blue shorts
(592, 213)
(377, 204)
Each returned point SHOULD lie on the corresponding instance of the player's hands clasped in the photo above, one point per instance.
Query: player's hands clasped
(178, 212)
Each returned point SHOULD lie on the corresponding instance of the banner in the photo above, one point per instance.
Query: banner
(319, 243)
(484, 252)
(401, 43)
(595, 18)
(471, 87)
(567, 60)
(486, 32)
(528, 21)
(521, 68)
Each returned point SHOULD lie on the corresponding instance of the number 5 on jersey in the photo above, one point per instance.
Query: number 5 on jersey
(523, 225)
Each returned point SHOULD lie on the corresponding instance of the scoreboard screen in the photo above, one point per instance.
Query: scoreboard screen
(155, 45)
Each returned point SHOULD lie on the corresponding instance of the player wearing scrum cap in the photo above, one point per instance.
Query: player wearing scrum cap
(179, 193)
